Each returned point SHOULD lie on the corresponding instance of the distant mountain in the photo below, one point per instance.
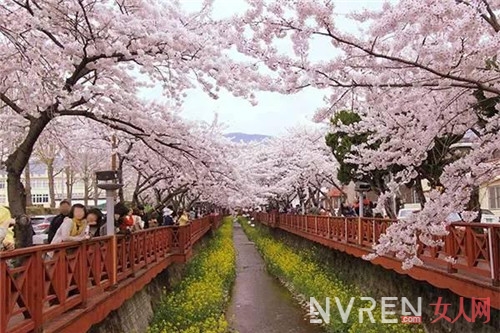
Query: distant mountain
(238, 137)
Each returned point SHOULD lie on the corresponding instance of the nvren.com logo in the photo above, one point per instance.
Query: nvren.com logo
(410, 314)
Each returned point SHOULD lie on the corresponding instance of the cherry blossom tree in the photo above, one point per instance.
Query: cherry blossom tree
(202, 172)
(88, 58)
(295, 165)
(47, 151)
(420, 74)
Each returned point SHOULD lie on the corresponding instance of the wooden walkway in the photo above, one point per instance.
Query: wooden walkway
(71, 286)
(474, 246)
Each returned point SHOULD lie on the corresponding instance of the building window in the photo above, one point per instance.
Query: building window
(39, 183)
(39, 198)
(410, 196)
(2, 184)
(3, 198)
(494, 194)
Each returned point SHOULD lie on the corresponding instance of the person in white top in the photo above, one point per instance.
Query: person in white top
(73, 227)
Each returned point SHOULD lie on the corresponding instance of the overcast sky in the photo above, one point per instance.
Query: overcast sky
(275, 112)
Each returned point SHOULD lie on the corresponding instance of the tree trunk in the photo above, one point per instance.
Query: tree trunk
(27, 185)
(135, 195)
(389, 208)
(24, 232)
(86, 191)
(312, 196)
(121, 159)
(16, 193)
(69, 183)
(15, 164)
(135, 199)
(50, 174)
(121, 194)
(17, 161)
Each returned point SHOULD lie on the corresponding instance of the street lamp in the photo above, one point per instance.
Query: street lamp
(108, 180)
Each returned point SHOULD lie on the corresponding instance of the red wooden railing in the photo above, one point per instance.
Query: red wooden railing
(41, 283)
(474, 246)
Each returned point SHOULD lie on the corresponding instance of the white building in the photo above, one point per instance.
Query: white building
(40, 188)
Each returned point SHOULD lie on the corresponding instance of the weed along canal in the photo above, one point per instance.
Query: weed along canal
(259, 303)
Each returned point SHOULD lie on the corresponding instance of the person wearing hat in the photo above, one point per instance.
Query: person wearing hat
(6, 230)
(168, 216)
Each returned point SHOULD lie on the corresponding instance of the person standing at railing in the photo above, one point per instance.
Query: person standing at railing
(138, 222)
(95, 220)
(73, 226)
(141, 213)
(184, 218)
(346, 210)
(154, 220)
(127, 222)
(122, 220)
(367, 207)
(55, 224)
(168, 216)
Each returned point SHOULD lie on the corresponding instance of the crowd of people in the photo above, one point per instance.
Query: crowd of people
(344, 210)
(77, 222)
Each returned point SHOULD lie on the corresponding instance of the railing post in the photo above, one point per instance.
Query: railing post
(145, 249)
(83, 273)
(469, 246)
(360, 232)
(346, 237)
(3, 296)
(374, 241)
(316, 223)
(307, 222)
(114, 260)
(328, 227)
(190, 238)
(97, 261)
(132, 251)
(37, 297)
(61, 287)
(449, 249)
(493, 242)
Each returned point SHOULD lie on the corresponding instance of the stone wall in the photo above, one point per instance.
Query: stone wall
(136, 313)
(376, 281)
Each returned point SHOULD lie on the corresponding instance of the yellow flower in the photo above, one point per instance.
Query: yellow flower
(198, 303)
(304, 276)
